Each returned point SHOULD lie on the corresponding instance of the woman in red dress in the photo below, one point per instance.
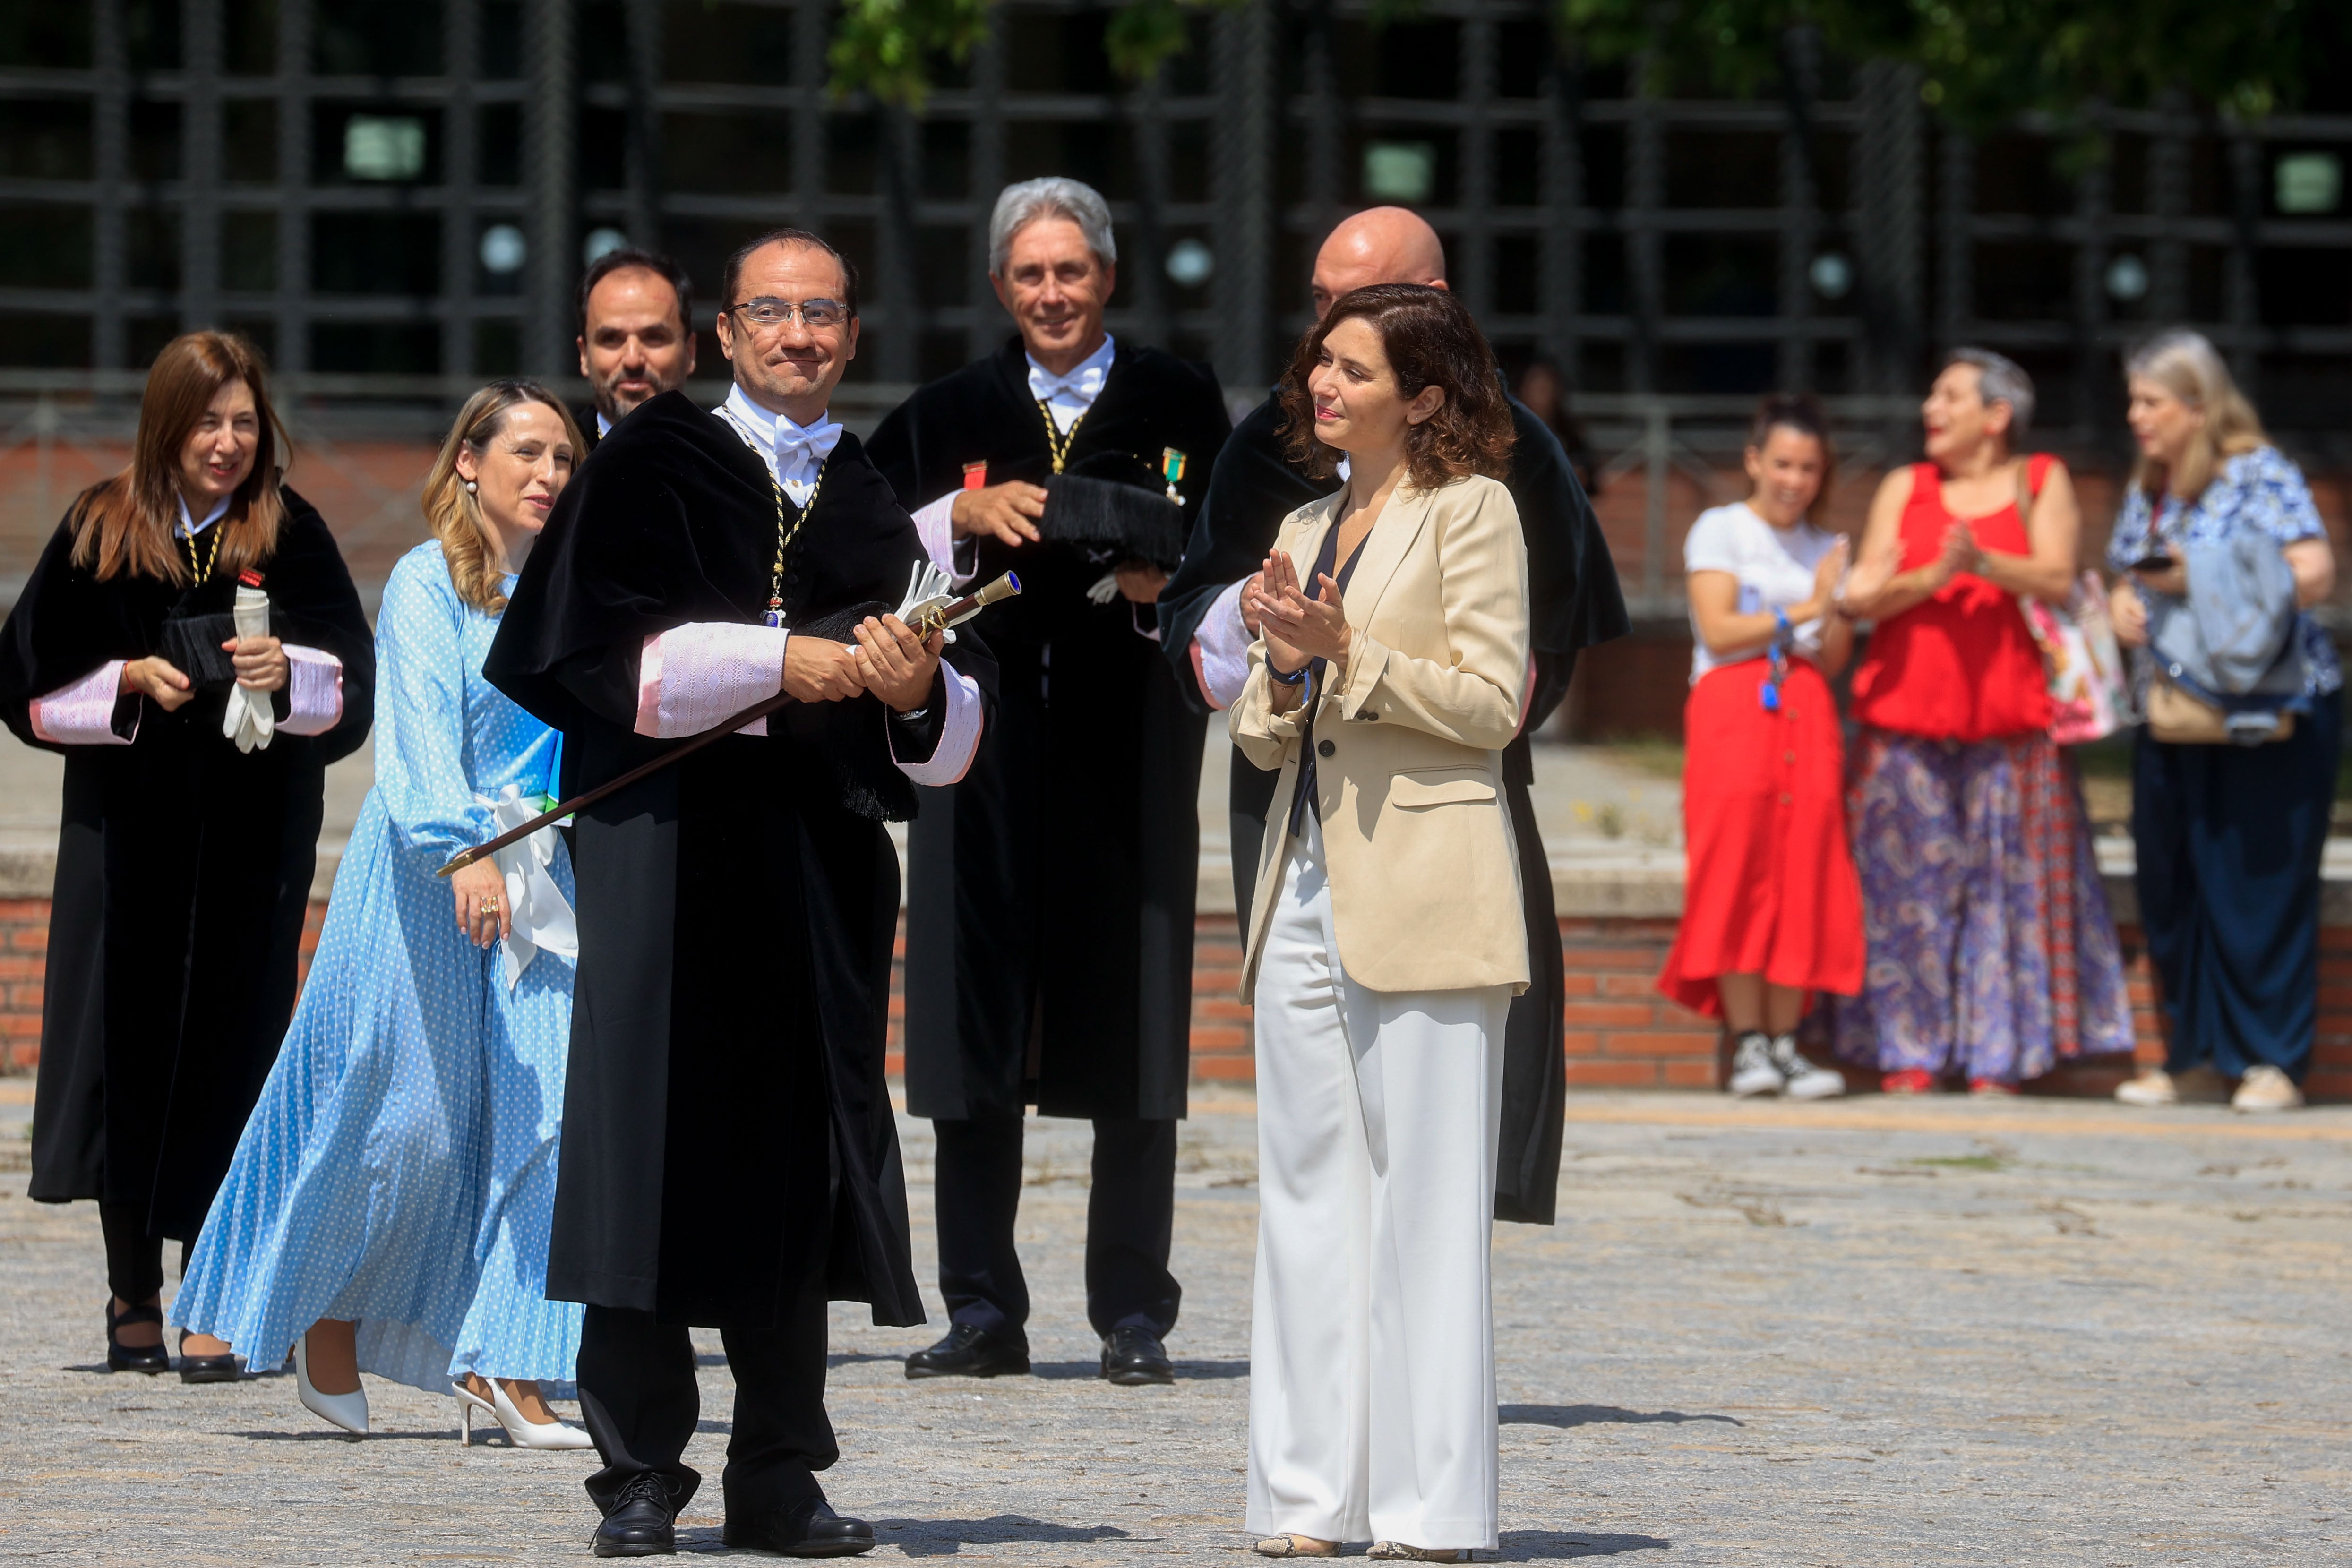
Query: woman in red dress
(1771, 912)
(1992, 953)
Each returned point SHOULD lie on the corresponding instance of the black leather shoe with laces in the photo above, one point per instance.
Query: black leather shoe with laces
(122, 1357)
(639, 1524)
(968, 1352)
(1135, 1355)
(809, 1529)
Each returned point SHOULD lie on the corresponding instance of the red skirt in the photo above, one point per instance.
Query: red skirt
(1771, 888)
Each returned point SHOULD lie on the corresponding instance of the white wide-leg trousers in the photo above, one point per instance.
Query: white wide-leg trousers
(1371, 1338)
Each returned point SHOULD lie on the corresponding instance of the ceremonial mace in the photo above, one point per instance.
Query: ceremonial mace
(934, 617)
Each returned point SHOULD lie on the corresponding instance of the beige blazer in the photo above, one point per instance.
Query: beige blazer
(1408, 742)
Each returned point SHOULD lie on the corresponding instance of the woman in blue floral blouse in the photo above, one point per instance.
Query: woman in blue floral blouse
(2229, 836)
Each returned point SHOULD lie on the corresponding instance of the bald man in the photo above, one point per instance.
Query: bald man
(1572, 592)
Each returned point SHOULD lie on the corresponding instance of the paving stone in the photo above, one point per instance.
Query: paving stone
(1865, 1333)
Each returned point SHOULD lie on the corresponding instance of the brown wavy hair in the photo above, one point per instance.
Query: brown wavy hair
(1431, 341)
(469, 546)
(126, 524)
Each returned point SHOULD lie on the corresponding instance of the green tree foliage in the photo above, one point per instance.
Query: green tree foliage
(1981, 61)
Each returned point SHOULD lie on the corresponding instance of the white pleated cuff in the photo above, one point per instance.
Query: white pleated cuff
(959, 735)
(1221, 647)
(935, 523)
(314, 691)
(691, 677)
(82, 713)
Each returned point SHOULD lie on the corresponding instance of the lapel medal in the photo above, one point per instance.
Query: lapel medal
(1171, 468)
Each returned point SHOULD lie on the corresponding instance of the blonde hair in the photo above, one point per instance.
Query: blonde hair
(2187, 365)
(127, 523)
(468, 544)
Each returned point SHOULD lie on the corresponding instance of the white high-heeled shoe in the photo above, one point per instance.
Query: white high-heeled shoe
(521, 1431)
(348, 1411)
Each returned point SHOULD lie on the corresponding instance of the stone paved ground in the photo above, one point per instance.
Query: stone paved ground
(1869, 1334)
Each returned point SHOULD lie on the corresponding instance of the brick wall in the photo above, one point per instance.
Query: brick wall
(1620, 1034)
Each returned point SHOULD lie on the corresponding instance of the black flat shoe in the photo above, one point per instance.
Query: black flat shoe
(809, 1530)
(968, 1352)
(122, 1357)
(207, 1368)
(1132, 1356)
(639, 1524)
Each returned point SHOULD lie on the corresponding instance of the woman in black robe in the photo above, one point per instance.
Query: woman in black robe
(183, 860)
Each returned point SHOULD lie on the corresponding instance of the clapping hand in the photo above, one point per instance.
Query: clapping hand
(1296, 628)
(1959, 552)
(1825, 582)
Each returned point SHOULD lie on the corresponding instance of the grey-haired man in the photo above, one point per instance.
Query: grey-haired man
(1049, 932)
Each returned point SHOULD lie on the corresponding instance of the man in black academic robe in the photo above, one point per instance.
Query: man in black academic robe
(1575, 602)
(729, 1158)
(1049, 932)
(636, 336)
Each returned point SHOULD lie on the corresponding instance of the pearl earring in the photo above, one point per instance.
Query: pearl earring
(471, 487)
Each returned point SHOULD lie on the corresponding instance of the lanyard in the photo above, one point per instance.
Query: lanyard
(1777, 662)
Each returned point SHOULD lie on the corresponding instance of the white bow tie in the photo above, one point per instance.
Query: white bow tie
(815, 445)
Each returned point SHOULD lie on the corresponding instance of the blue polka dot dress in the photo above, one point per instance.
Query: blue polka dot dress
(400, 1166)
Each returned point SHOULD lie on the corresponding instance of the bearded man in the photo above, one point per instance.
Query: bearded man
(636, 335)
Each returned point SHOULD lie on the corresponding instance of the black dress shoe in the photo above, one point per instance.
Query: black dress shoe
(1134, 1355)
(809, 1530)
(968, 1352)
(639, 1523)
(207, 1368)
(122, 1357)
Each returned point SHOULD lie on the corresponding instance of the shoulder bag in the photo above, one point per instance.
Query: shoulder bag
(2082, 665)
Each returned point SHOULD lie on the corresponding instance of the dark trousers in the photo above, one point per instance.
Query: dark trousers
(134, 1258)
(640, 1402)
(1130, 1215)
(2229, 840)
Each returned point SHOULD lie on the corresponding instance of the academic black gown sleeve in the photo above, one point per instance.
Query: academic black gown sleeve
(68, 623)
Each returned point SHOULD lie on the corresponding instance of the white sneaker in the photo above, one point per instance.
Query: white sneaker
(1752, 1069)
(2266, 1089)
(1800, 1079)
(2150, 1089)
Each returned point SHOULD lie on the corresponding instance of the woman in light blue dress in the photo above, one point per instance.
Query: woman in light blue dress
(388, 1207)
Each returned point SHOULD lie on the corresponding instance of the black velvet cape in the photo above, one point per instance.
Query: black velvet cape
(183, 872)
(1049, 922)
(728, 1134)
(1575, 602)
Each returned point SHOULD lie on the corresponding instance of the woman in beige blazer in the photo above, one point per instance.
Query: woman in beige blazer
(1386, 939)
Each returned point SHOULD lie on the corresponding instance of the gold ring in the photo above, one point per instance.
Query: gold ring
(490, 907)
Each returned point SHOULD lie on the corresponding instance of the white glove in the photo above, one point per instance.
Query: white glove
(247, 719)
(542, 917)
(926, 588)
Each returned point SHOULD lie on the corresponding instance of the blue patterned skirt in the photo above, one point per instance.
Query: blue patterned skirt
(1991, 952)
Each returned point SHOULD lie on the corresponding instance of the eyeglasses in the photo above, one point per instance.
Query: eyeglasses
(768, 313)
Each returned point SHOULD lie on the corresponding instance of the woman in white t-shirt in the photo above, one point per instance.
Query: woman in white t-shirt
(1771, 908)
